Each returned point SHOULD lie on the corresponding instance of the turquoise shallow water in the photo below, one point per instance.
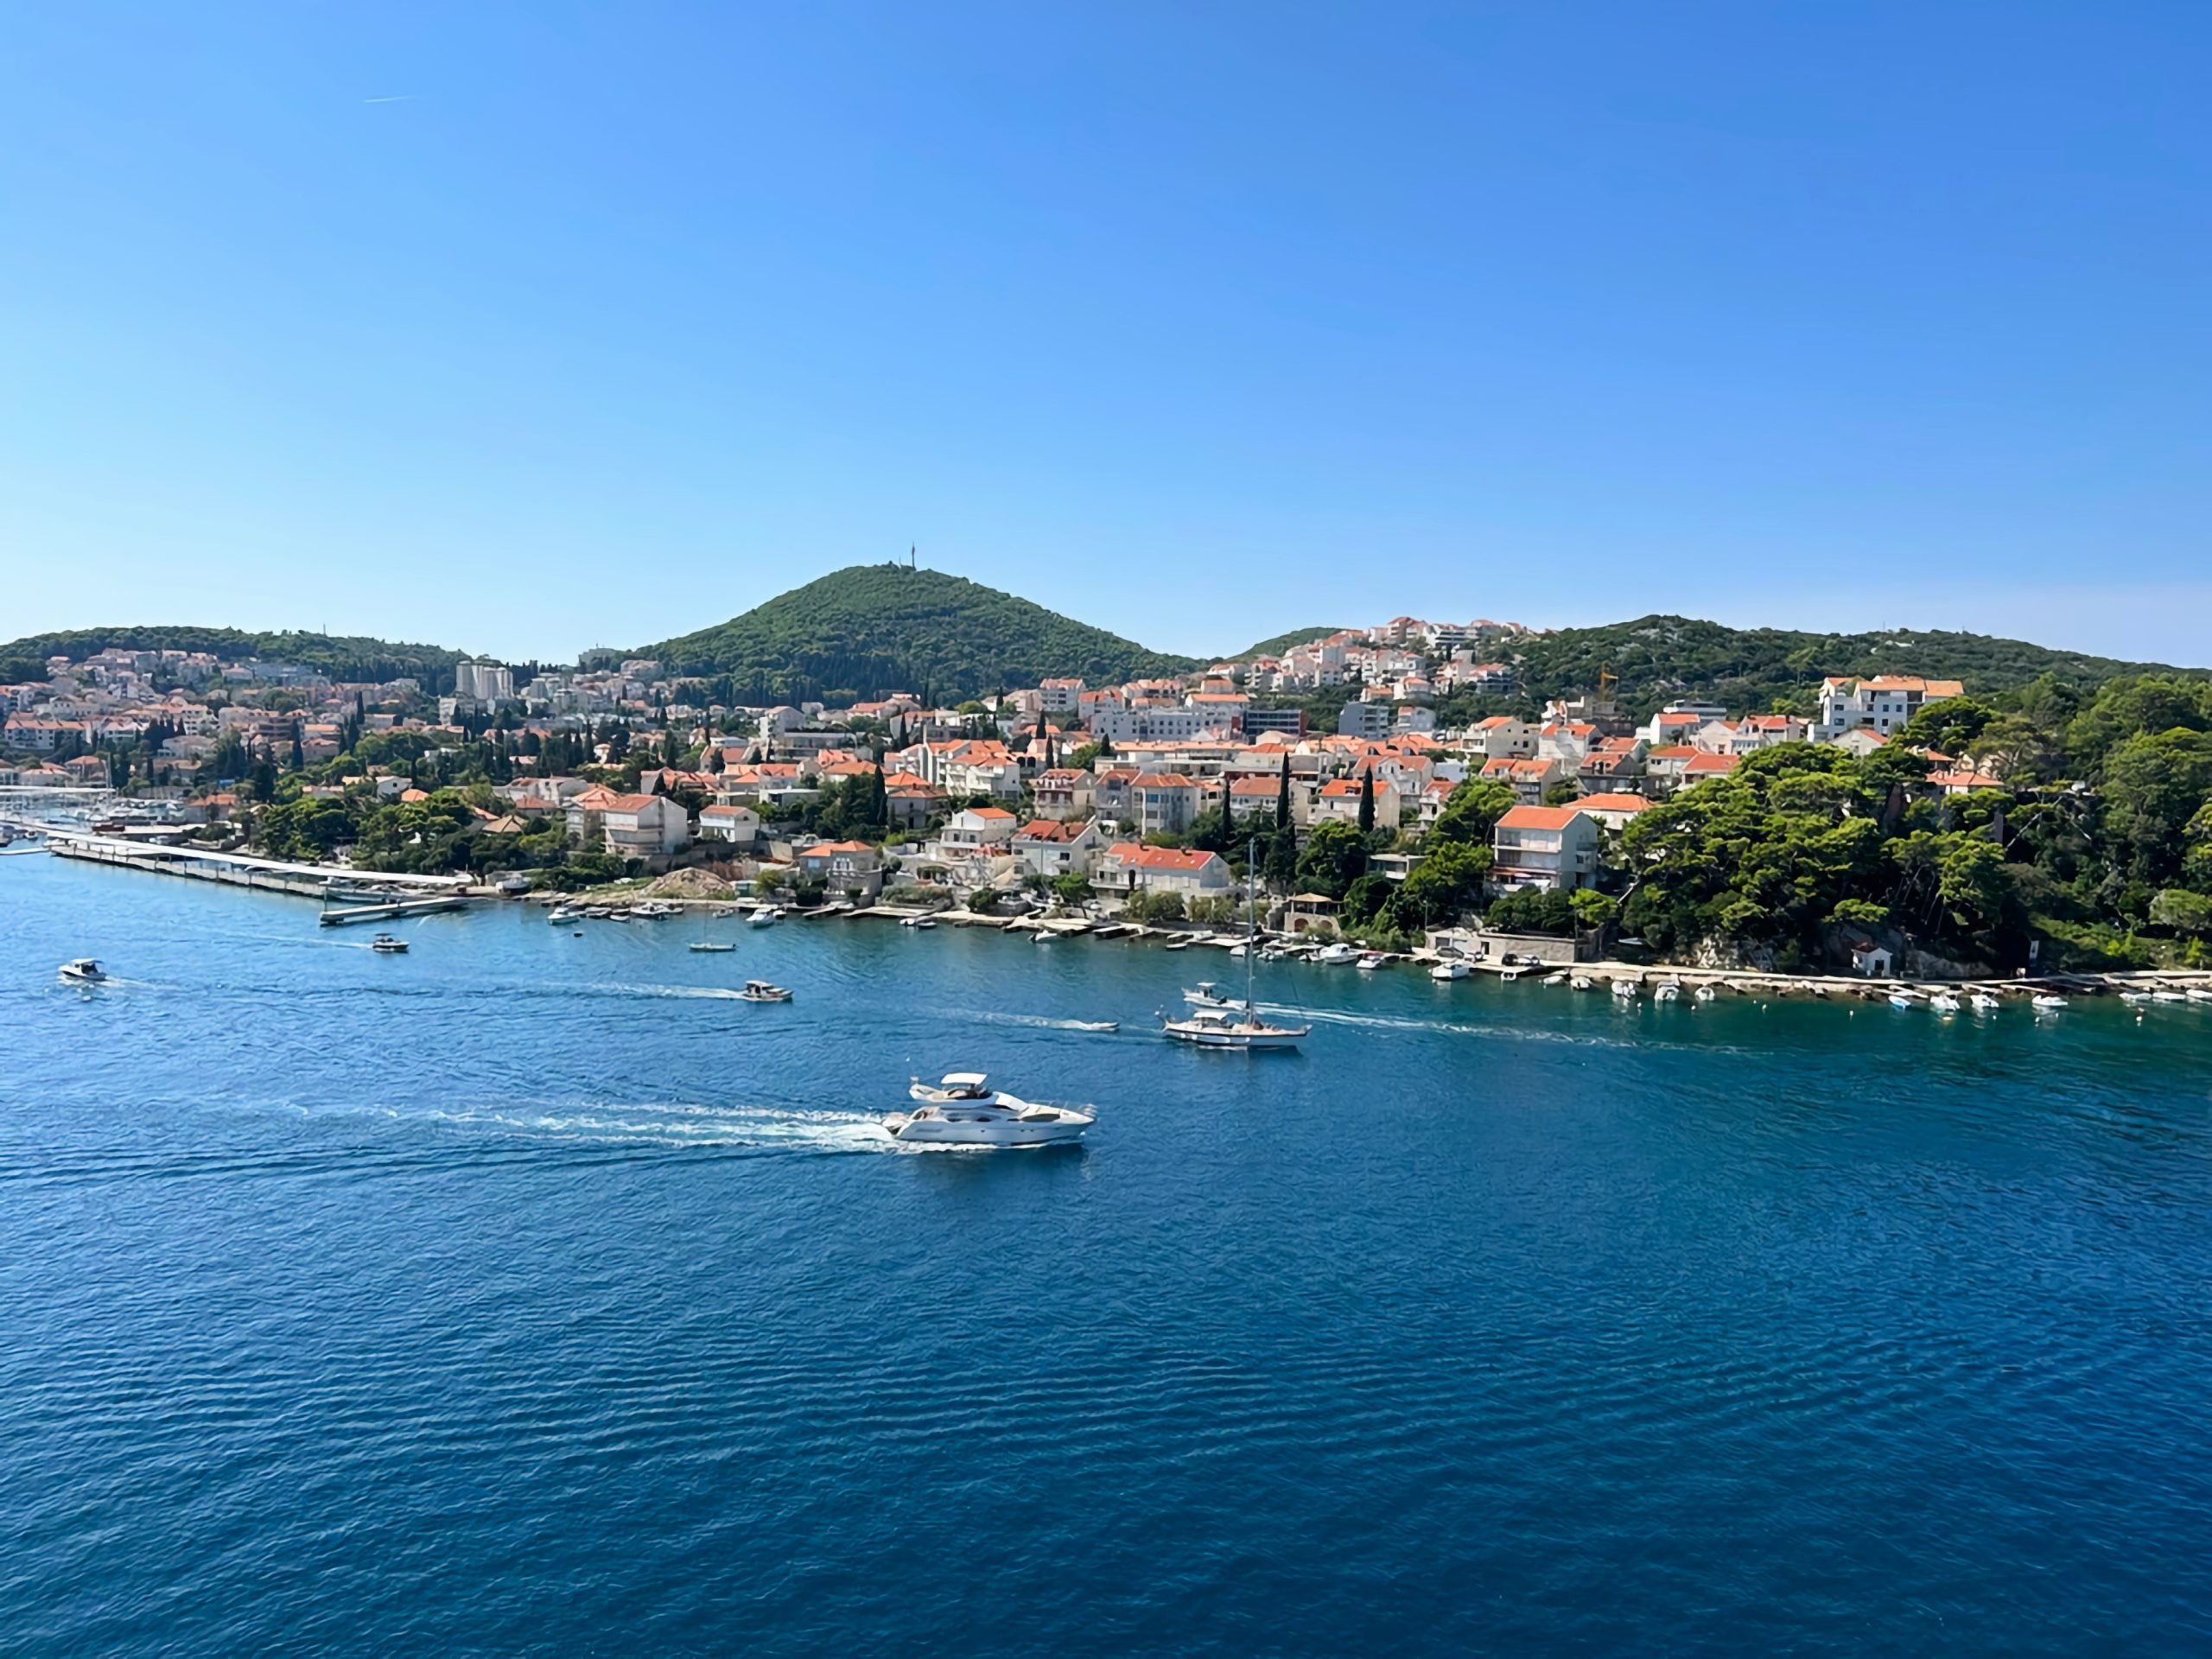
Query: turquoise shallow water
(528, 1294)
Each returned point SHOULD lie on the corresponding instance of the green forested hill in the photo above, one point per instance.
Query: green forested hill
(1661, 657)
(871, 629)
(342, 657)
(1278, 644)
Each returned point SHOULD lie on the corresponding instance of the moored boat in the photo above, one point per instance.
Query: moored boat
(2048, 1003)
(1944, 1002)
(1336, 954)
(1450, 967)
(1983, 1002)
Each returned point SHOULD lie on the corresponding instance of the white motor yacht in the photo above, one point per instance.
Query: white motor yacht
(964, 1110)
(1336, 955)
(83, 971)
(1450, 967)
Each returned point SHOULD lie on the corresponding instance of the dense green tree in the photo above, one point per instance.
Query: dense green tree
(1470, 812)
(1335, 857)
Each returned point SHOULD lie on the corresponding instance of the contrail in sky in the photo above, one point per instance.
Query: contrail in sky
(403, 98)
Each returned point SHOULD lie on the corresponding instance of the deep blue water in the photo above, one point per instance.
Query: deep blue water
(527, 1294)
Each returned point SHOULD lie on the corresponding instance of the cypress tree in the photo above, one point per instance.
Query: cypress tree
(1367, 803)
(1282, 796)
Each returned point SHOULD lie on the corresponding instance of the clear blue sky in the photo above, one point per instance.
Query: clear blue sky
(525, 327)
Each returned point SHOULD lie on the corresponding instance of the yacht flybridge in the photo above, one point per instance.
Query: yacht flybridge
(964, 1110)
(1219, 1023)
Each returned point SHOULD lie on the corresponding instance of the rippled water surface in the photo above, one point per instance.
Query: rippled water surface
(528, 1292)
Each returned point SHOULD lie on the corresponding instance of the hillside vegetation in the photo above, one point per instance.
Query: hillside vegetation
(1278, 644)
(1659, 659)
(872, 629)
(342, 657)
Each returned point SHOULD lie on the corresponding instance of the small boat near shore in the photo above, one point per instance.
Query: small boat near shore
(2048, 1003)
(964, 1110)
(766, 916)
(1983, 1002)
(1450, 967)
(1336, 956)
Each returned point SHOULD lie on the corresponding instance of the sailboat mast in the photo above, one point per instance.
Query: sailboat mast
(1251, 920)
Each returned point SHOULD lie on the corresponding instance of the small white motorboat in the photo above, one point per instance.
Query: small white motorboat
(2169, 997)
(766, 916)
(560, 914)
(1559, 978)
(1583, 983)
(1094, 1024)
(1450, 967)
(920, 921)
(1669, 990)
(1944, 1002)
(385, 945)
(1904, 1000)
(1705, 994)
(711, 944)
(2198, 993)
(1983, 1002)
(84, 972)
(1370, 960)
(759, 990)
(1207, 994)
(1239, 951)
(1624, 990)
(2135, 996)
(1183, 943)
(1336, 955)
(2048, 1003)
(964, 1110)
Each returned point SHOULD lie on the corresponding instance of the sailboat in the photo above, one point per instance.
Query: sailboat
(1233, 1027)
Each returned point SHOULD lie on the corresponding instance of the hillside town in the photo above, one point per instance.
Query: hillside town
(1142, 799)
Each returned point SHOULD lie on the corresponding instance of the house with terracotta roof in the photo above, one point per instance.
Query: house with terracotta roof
(1339, 799)
(1962, 780)
(1528, 780)
(975, 829)
(626, 826)
(1064, 793)
(1882, 703)
(1552, 848)
(729, 822)
(1128, 868)
(1613, 811)
(1165, 803)
(1056, 847)
(851, 868)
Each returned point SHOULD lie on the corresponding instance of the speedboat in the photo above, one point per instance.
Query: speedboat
(1450, 967)
(1233, 1027)
(386, 945)
(83, 971)
(1096, 1024)
(1370, 960)
(711, 944)
(2048, 1003)
(964, 1110)
(1944, 1002)
(1983, 1002)
(766, 916)
(1669, 990)
(759, 990)
(1335, 955)
(1207, 994)
(562, 913)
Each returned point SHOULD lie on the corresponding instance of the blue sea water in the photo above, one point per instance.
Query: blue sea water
(528, 1294)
